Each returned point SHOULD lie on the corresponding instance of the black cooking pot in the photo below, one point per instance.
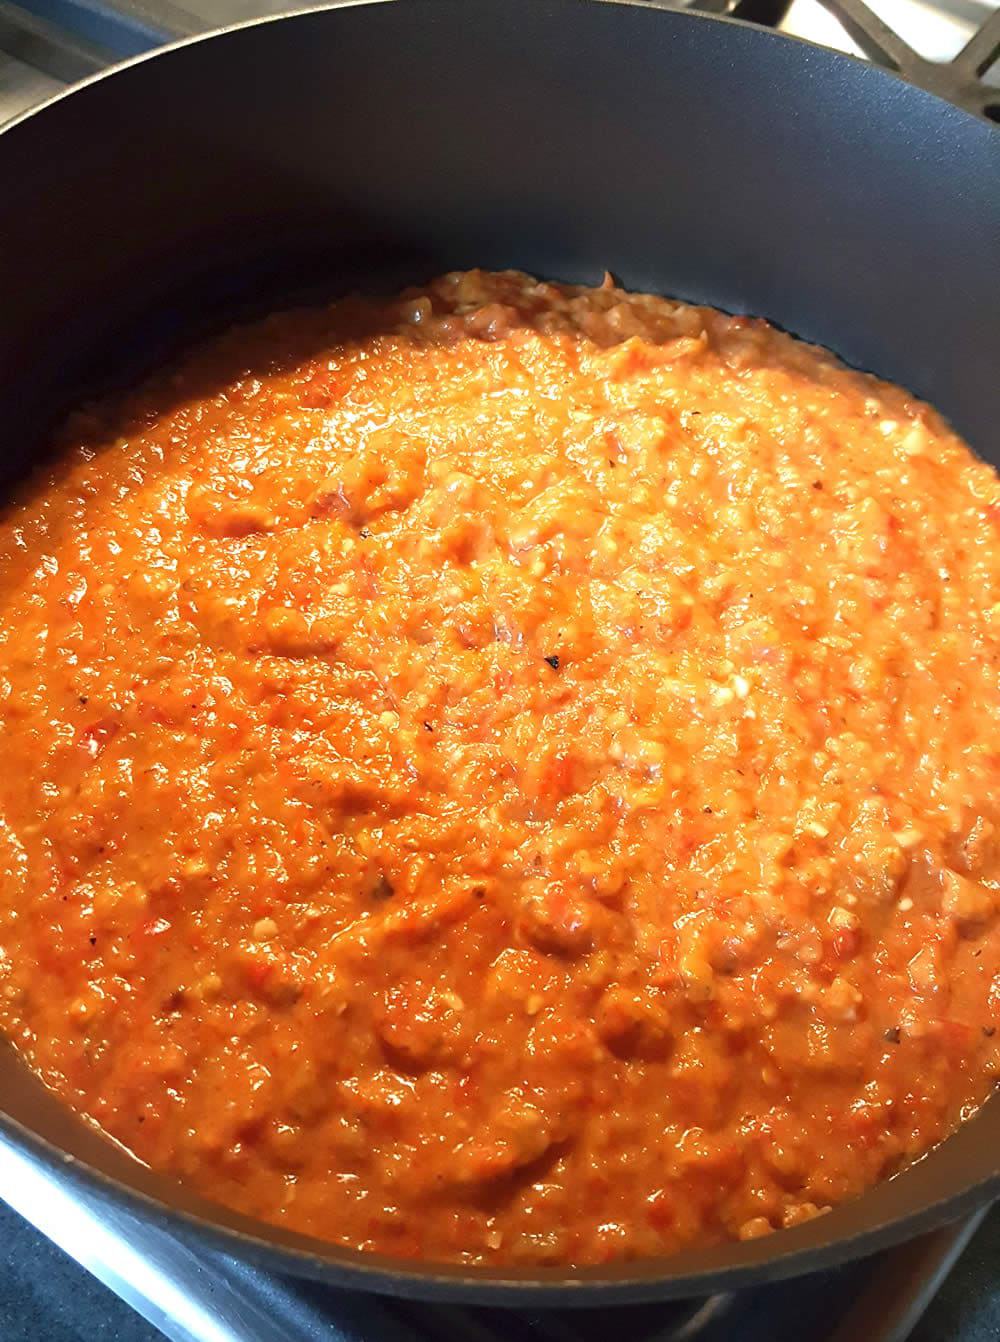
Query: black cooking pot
(372, 144)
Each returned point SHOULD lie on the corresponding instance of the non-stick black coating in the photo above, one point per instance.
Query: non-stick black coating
(376, 143)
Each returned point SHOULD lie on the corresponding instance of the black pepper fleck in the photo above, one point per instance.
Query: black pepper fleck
(989, 1031)
(382, 888)
(553, 662)
(817, 484)
(427, 726)
(365, 534)
(93, 941)
(892, 1035)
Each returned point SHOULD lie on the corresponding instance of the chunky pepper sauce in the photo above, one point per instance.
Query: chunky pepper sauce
(507, 774)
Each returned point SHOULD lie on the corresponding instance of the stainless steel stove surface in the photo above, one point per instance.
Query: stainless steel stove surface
(194, 1295)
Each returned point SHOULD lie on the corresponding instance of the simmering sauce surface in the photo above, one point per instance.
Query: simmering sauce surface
(507, 774)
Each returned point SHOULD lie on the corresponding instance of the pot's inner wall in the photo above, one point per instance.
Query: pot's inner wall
(381, 143)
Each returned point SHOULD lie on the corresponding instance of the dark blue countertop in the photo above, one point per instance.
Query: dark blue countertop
(46, 1297)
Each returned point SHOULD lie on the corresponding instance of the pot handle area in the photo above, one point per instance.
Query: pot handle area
(49, 44)
(960, 81)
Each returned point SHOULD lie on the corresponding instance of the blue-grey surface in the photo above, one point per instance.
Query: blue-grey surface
(45, 1297)
(967, 1309)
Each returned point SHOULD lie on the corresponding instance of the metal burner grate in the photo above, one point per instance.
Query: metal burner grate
(960, 81)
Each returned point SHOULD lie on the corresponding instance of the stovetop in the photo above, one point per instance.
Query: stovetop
(196, 1295)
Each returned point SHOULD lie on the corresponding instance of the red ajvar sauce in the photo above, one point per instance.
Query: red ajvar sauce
(507, 774)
